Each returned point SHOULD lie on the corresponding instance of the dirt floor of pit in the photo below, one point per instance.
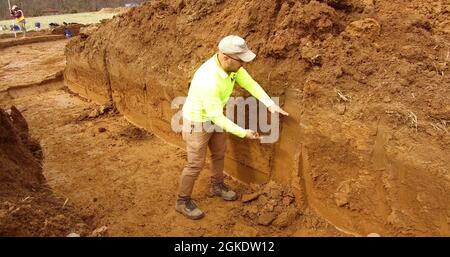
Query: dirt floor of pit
(124, 178)
(31, 63)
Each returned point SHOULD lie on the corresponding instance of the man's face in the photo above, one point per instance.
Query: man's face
(230, 63)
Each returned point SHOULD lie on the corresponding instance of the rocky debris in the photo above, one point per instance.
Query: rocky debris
(250, 197)
(286, 218)
(367, 28)
(266, 218)
(272, 203)
(101, 129)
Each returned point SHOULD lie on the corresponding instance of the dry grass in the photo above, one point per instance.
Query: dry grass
(342, 96)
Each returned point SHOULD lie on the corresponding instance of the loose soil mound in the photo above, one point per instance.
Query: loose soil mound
(27, 206)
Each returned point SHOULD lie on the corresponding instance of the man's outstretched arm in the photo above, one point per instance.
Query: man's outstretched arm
(248, 83)
(214, 111)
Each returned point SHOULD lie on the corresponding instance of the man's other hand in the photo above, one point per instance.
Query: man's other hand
(252, 134)
(275, 108)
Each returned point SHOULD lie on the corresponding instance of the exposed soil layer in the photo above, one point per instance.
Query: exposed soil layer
(39, 37)
(366, 83)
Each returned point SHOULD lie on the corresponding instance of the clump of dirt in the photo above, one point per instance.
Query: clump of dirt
(133, 133)
(270, 204)
(27, 205)
(96, 112)
(273, 207)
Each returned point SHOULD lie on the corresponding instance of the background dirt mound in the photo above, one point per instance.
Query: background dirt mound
(365, 83)
(27, 205)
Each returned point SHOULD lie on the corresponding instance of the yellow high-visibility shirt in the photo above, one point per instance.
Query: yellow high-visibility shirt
(210, 90)
(21, 18)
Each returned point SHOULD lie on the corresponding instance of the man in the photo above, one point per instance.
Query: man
(209, 91)
(20, 18)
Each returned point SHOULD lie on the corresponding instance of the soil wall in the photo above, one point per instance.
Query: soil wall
(366, 83)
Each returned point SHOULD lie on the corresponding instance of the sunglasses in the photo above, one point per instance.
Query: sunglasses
(238, 60)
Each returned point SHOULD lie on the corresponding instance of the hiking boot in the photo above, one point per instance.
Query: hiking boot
(188, 208)
(222, 190)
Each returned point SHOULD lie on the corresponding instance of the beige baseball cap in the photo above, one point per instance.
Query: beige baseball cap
(236, 46)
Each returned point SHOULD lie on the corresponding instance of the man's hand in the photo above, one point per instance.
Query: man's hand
(252, 134)
(275, 108)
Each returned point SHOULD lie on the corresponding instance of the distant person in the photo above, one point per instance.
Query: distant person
(20, 18)
(209, 91)
(67, 33)
(37, 25)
